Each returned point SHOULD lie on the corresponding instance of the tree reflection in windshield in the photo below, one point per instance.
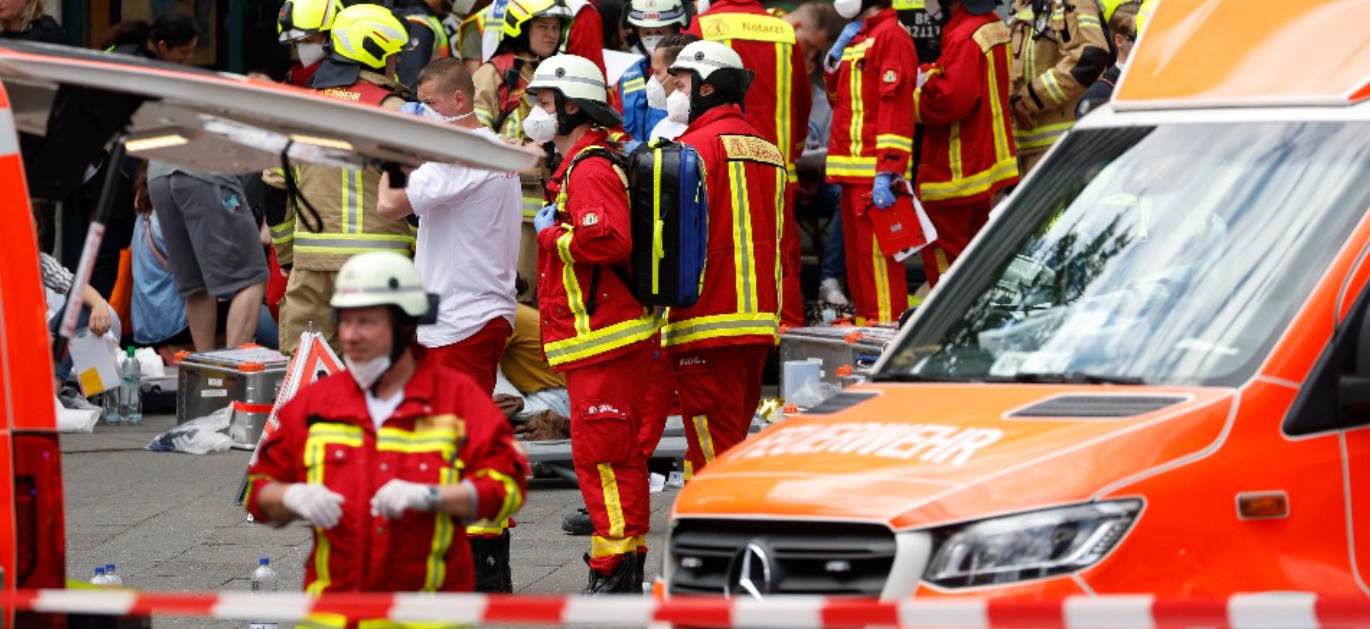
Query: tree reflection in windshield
(1171, 255)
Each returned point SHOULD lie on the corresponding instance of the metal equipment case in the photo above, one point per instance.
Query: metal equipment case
(835, 346)
(246, 377)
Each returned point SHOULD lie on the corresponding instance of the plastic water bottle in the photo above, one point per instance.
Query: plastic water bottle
(131, 394)
(263, 581)
(110, 401)
(110, 577)
(100, 578)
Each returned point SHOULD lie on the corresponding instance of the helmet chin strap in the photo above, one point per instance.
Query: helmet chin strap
(402, 329)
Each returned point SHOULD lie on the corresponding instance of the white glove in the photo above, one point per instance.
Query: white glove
(318, 504)
(398, 496)
(922, 78)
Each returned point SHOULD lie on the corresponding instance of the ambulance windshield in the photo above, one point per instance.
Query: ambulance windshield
(1169, 255)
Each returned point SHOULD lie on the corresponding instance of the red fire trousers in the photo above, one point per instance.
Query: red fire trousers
(478, 355)
(956, 226)
(878, 289)
(607, 406)
(719, 389)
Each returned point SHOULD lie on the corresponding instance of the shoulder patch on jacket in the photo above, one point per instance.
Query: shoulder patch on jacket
(890, 76)
(750, 148)
(991, 35)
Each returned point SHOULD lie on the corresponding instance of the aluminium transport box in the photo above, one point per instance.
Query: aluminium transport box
(247, 377)
(835, 346)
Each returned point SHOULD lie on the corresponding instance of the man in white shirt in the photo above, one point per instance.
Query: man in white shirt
(468, 241)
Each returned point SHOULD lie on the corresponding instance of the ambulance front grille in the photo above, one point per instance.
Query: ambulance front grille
(736, 557)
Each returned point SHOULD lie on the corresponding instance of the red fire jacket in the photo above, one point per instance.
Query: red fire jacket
(872, 131)
(968, 148)
(586, 38)
(588, 313)
(778, 101)
(446, 431)
(745, 179)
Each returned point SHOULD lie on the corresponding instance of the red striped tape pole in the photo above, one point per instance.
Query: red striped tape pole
(1247, 611)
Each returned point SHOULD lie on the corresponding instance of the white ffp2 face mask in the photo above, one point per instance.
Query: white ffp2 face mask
(367, 373)
(656, 94)
(540, 126)
(432, 114)
(678, 107)
(649, 44)
(310, 54)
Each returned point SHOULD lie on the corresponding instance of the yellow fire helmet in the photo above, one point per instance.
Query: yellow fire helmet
(518, 13)
(301, 18)
(367, 34)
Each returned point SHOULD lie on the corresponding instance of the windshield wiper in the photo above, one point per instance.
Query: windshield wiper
(916, 377)
(1074, 377)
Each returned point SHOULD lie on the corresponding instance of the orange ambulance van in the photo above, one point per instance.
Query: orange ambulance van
(1150, 373)
(76, 103)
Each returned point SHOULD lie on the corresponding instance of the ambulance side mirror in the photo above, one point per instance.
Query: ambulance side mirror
(1353, 387)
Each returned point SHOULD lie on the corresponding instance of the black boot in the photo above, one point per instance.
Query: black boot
(639, 572)
(619, 582)
(491, 558)
(578, 523)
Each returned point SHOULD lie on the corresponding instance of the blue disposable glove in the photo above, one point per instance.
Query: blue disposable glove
(630, 146)
(413, 109)
(545, 218)
(835, 53)
(882, 195)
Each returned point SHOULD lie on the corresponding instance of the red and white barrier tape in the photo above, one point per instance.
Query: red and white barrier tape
(1255, 611)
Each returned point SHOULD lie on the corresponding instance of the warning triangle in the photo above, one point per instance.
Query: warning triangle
(313, 359)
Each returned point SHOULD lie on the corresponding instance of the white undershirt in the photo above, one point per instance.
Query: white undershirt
(381, 410)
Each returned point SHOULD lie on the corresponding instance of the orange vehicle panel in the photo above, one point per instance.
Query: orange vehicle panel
(27, 394)
(1178, 543)
(1254, 52)
(820, 467)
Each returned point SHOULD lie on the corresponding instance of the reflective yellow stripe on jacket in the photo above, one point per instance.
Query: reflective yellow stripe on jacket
(349, 244)
(854, 164)
(1041, 137)
(320, 436)
(441, 46)
(716, 326)
(443, 442)
(726, 27)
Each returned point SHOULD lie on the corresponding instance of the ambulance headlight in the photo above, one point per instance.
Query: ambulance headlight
(1028, 545)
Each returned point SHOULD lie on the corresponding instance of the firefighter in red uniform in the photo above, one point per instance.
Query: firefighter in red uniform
(593, 330)
(777, 106)
(720, 343)
(870, 73)
(389, 458)
(586, 38)
(968, 148)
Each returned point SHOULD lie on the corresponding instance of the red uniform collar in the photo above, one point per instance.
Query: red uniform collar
(593, 137)
(418, 392)
(714, 115)
(878, 19)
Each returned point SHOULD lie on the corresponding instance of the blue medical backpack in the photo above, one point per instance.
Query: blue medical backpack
(670, 223)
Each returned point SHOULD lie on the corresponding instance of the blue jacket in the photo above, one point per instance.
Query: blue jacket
(638, 118)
